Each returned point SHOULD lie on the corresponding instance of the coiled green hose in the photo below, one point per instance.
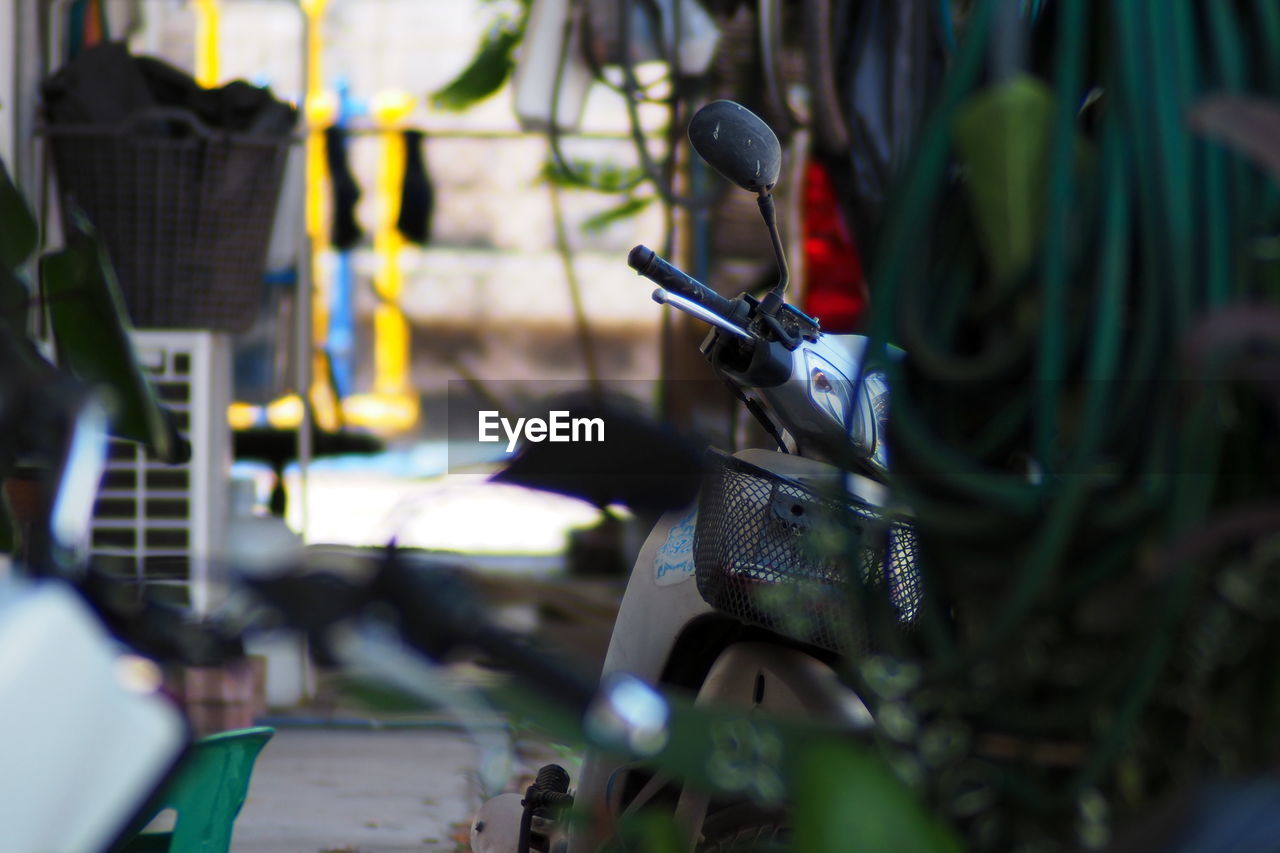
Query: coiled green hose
(1057, 444)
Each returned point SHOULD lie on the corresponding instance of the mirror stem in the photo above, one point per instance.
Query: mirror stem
(773, 299)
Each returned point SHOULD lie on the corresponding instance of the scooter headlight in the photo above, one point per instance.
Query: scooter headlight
(832, 393)
(876, 385)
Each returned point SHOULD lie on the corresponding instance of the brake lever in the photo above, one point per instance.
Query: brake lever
(688, 306)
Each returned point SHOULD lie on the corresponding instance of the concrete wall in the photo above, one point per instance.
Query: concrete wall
(8, 68)
(492, 267)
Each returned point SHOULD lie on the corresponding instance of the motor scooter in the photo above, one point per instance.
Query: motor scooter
(741, 598)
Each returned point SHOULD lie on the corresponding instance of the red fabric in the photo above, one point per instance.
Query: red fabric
(835, 288)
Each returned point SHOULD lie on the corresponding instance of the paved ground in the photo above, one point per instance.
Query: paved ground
(357, 791)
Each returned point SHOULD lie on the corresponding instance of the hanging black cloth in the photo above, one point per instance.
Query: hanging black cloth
(345, 232)
(417, 196)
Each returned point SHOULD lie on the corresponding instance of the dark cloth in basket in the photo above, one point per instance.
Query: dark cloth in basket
(237, 107)
(103, 85)
(181, 182)
(106, 85)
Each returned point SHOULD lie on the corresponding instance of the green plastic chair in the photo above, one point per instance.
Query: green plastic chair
(207, 790)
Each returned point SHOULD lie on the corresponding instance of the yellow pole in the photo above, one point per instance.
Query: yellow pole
(321, 111)
(391, 355)
(207, 43)
(393, 406)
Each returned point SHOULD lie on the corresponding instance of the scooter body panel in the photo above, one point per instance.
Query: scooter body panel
(662, 601)
(782, 680)
(661, 598)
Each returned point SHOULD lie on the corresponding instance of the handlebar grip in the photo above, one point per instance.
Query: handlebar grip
(646, 262)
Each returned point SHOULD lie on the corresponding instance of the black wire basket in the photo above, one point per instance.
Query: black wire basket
(185, 212)
(826, 569)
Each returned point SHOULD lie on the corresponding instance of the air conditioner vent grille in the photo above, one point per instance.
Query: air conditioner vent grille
(158, 521)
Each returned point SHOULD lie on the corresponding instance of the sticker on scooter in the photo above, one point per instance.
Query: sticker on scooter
(674, 561)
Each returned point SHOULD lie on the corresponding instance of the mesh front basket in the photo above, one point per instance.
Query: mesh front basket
(186, 214)
(823, 569)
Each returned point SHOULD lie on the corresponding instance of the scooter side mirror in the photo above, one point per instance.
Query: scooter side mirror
(738, 144)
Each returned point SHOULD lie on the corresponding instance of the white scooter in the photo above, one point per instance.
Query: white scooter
(742, 598)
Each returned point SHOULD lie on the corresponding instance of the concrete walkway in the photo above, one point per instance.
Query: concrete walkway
(354, 791)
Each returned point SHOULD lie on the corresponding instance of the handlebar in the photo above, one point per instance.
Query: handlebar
(646, 262)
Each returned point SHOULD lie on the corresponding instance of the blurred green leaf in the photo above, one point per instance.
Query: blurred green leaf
(1249, 125)
(90, 329)
(597, 175)
(1002, 142)
(14, 299)
(18, 231)
(485, 75)
(849, 800)
(602, 220)
(652, 831)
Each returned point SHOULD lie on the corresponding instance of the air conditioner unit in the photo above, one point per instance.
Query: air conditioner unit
(165, 523)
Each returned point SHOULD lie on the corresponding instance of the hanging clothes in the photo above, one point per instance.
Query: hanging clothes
(417, 195)
(345, 232)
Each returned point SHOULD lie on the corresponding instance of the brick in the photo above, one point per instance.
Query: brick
(229, 684)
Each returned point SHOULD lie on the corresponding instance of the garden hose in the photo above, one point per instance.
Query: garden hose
(1051, 436)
